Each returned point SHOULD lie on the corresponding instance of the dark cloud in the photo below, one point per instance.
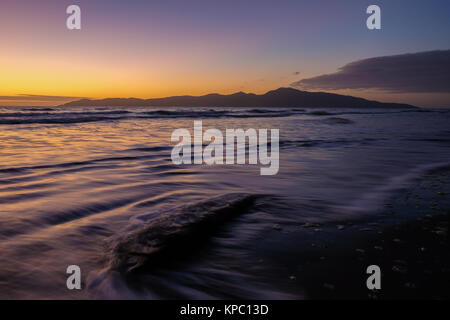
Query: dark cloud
(36, 97)
(406, 73)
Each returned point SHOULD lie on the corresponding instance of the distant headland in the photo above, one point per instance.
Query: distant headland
(279, 98)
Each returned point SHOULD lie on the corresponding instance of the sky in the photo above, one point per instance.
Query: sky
(152, 48)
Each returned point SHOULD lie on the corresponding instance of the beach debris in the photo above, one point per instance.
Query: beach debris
(311, 225)
(440, 231)
(292, 278)
(340, 227)
(441, 193)
(401, 262)
(360, 250)
(366, 229)
(164, 235)
(399, 269)
(317, 230)
(328, 286)
(378, 248)
(322, 258)
(410, 285)
(276, 227)
(371, 295)
(422, 249)
(396, 240)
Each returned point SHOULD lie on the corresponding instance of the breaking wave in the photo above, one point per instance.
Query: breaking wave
(52, 116)
(372, 201)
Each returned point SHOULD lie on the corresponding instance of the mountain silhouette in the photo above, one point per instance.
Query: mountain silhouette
(279, 98)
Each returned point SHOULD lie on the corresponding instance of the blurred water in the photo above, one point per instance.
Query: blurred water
(73, 181)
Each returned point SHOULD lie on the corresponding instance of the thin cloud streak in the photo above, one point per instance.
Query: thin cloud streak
(36, 97)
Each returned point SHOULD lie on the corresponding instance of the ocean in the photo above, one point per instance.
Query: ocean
(96, 187)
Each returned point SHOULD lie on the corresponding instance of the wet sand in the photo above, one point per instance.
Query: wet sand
(413, 255)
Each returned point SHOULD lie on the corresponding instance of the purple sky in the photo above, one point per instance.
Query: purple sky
(158, 48)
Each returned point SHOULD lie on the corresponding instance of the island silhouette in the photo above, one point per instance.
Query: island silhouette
(279, 98)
